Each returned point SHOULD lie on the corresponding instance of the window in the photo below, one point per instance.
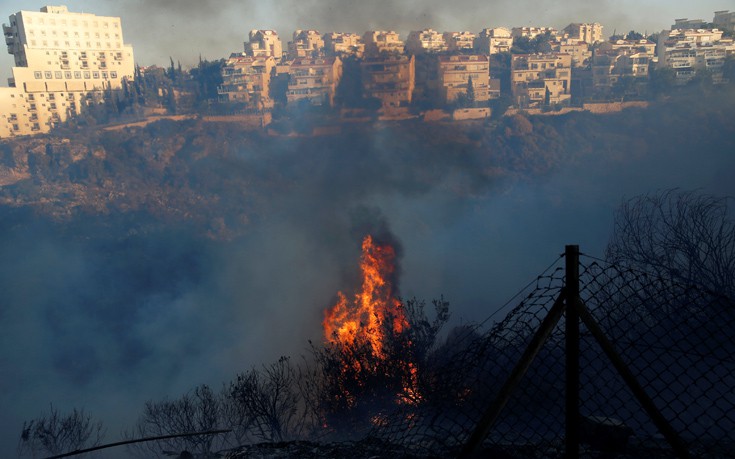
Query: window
(58, 75)
(67, 75)
(113, 74)
(48, 75)
(78, 75)
(38, 75)
(87, 75)
(96, 75)
(104, 75)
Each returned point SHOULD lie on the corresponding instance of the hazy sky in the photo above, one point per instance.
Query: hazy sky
(184, 29)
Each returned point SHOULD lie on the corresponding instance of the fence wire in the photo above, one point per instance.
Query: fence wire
(678, 341)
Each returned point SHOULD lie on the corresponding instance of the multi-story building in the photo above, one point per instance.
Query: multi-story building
(686, 23)
(425, 41)
(264, 43)
(246, 80)
(533, 32)
(457, 41)
(389, 78)
(621, 58)
(61, 60)
(688, 50)
(493, 41)
(588, 33)
(541, 79)
(724, 20)
(579, 50)
(314, 79)
(305, 43)
(343, 44)
(455, 74)
(382, 41)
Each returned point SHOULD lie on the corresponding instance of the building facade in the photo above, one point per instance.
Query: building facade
(541, 79)
(458, 41)
(382, 41)
(455, 74)
(390, 79)
(343, 44)
(314, 79)
(305, 43)
(687, 51)
(425, 41)
(590, 33)
(263, 43)
(493, 41)
(62, 60)
(246, 80)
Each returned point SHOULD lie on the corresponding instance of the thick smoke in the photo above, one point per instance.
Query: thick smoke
(106, 312)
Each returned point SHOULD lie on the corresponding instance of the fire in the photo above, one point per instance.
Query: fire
(374, 310)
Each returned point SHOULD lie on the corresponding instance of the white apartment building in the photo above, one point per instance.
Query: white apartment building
(425, 41)
(493, 41)
(688, 50)
(264, 43)
(61, 58)
(457, 41)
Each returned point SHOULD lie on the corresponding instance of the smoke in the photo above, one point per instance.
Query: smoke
(106, 312)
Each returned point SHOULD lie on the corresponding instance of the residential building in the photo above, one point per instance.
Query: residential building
(389, 78)
(579, 50)
(493, 41)
(263, 43)
(724, 20)
(382, 41)
(314, 79)
(590, 33)
(305, 43)
(62, 60)
(458, 41)
(686, 23)
(456, 72)
(246, 80)
(425, 41)
(621, 58)
(343, 44)
(688, 50)
(541, 79)
(533, 32)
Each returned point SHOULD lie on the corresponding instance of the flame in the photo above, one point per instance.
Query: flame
(372, 308)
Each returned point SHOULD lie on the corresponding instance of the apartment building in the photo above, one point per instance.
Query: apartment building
(246, 80)
(344, 44)
(688, 50)
(686, 23)
(621, 58)
(305, 43)
(314, 79)
(579, 50)
(382, 41)
(458, 41)
(62, 59)
(541, 79)
(425, 41)
(493, 41)
(389, 78)
(263, 43)
(455, 73)
(724, 20)
(590, 33)
(533, 32)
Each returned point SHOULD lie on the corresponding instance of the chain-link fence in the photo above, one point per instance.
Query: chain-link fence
(675, 341)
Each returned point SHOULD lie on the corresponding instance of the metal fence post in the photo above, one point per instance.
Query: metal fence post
(572, 352)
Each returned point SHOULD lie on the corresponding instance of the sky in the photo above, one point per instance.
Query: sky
(186, 29)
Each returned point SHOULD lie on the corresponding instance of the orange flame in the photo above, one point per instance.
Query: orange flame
(364, 318)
